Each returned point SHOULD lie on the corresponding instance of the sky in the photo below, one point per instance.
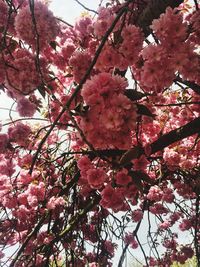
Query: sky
(69, 10)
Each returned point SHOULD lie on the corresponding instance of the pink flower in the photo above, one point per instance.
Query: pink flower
(25, 107)
(83, 29)
(103, 21)
(110, 247)
(157, 64)
(158, 208)
(168, 195)
(112, 198)
(3, 13)
(195, 23)
(170, 27)
(7, 166)
(46, 25)
(22, 75)
(96, 177)
(111, 115)
(19, 133)
(167, 243)
(130, 239)
(165, 225)
(134, 244)
(122, 177)
(3, 142)
(155, 193)
(132, 43)
(141, 163)
(137, 215)
(55, 202)
(84, 163)
(79, 62)
(185, 225)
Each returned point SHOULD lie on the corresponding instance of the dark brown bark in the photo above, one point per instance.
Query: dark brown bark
(187, 130)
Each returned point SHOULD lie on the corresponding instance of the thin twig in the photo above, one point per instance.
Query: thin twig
(86, 8)
(65, 22)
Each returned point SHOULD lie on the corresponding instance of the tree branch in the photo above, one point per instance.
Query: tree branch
(191, 128)
(86, 8)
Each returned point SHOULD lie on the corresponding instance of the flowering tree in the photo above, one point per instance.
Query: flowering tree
(116, 143)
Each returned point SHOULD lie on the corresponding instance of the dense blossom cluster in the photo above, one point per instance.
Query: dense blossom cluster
(22, 76)
(111, 115)
(46, 26)
(116, 146)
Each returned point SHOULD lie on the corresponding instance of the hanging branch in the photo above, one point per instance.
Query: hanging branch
(86, 8)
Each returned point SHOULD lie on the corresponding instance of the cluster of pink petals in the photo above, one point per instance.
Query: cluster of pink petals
(156, 65)
(155, 193)
(25, 107)
(137, 215)
(122, 177)
(4, 140)
(45, 29)
(112, 198)
(132, 43)
(195, 23)
(22, 76)
(130, 239)
(124, 53)
(55, 202)
(79, 63)
(3, 13)
(159, 209)
(111, 115)
(159, 63)
(19, 133)
(83, 29)
(95, 177)
(103, 21)
(170, 24)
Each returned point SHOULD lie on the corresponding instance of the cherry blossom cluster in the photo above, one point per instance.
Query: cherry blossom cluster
(108, 153)
(111, 115)
(170, 54)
